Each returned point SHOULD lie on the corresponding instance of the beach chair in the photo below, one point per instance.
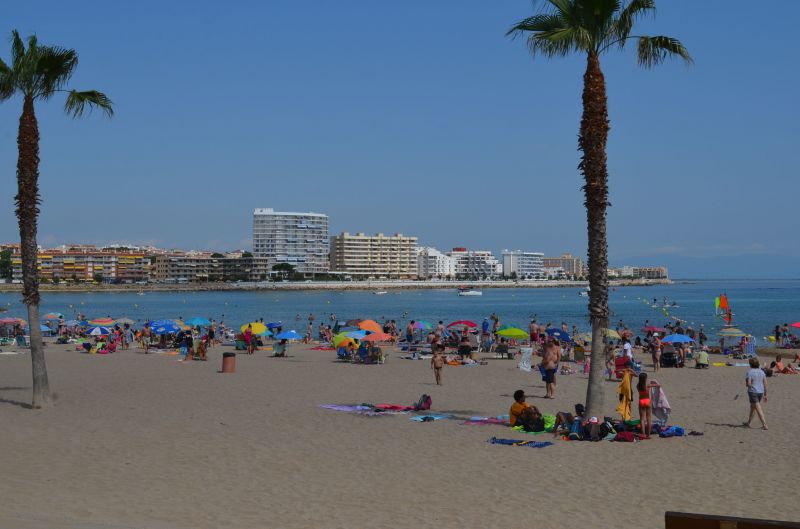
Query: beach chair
(525, 359)
(342, 354)
(579, 353)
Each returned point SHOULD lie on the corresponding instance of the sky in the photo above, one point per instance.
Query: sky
(417, 117)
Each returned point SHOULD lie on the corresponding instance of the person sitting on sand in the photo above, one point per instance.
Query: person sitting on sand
(279, 349)
(564, 420)
(778, 367)
(701, 360)
(524, 414)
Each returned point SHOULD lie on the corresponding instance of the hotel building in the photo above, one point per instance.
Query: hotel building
(433, 264)
(87, 263)
(378, 256)
(477, 264)
(298, 239)
(523, 265)
(572, 266)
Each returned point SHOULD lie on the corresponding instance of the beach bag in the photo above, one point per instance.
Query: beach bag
(606, 428)
(424, 403)
(576, 432)
(673, 431)
(625, 437)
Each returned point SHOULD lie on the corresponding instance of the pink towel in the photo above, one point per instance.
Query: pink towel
(661, 407)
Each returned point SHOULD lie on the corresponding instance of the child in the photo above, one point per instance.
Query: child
(201, 350)
(437, 363)
(645, 407)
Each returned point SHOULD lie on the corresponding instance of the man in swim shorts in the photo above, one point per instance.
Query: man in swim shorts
(552, 355)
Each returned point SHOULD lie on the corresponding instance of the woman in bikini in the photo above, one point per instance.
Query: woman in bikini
(645, 406)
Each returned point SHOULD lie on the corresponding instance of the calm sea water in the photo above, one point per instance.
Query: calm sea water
(757, 305)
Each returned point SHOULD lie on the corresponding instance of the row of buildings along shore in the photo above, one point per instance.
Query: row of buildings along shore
(297, 245)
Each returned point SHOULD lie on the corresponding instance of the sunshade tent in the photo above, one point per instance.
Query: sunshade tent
(677, 338)
(513, 332)
(198, 322)
(289, 335)
(370, 325)
(256, 327)
(463, 323)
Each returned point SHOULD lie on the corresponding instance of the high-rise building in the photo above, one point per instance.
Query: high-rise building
(477, 264)
(433, 264)
(297, 239)
(379, 256)
(572, 266)
(523, 265)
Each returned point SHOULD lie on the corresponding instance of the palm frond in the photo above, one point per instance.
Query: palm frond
(629, 15)
(54, 67)
(79, 102)
(17, 48)
(6, 81)
(653, 51)
(545, 22)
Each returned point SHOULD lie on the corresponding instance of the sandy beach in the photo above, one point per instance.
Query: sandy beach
(146, 441)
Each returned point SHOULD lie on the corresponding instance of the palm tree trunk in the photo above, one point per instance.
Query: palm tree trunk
(592, 142)
(27, 212)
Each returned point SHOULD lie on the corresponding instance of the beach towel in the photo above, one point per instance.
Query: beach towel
(660, 404)
(525, 361)
(482, 421)
(549, 424)
(344, 407)
(428, 418)
(517, 442)
(625, 392)
(394, 407)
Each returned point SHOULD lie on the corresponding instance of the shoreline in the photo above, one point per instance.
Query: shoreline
(327, 285)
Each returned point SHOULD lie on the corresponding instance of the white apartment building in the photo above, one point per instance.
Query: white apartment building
(379, 256)
(479, 264)
(433, 264)
(298, 239)
(523, 265)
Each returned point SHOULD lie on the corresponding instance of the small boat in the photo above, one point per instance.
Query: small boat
(140, 293)
(380, 293)
(583, 294)
(469, 291)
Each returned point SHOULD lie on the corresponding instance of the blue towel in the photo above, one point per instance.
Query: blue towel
(422, 418)
(517, 442)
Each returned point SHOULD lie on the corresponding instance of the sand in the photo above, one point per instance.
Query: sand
(144, 441)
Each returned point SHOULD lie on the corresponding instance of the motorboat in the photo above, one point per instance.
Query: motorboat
(469, 291)
(380, 293)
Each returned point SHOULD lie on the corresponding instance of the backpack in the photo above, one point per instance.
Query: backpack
(625, 437)
(606, 428)
(576, 430)
(424, 403)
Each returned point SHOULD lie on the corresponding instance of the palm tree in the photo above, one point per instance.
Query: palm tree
(37, 73)
(594, 27)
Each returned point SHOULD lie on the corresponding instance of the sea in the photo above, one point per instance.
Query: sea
(757, 305)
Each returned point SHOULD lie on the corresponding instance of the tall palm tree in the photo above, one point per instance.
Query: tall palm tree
(592, 28)
(37, 73)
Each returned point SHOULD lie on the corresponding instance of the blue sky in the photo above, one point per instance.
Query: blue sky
(419, 117)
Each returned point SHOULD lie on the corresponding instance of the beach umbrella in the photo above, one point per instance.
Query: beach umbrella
(98, 331)
(289, 335)
(71, 323)
(653, 328)
(559, 335)
(42, 327)
(102, 322)
(274, 324)
(125, 321)
(370, 325)
(677, 338)
(352, 323)
(356, 335)
(197, 321)
(377, 337)
(461, 323)
(12, 321)
(796, 324)
(256, 327)
(164, 326)
(342, 340)
(731, 332)
(52, 316)
(513, 332)
(421, 324)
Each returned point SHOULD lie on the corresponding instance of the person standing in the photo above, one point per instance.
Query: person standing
(550, 366)
(146, 334)
(756, 382)
(437, 363)
(248, 339)
(410, 331)
(655, 351)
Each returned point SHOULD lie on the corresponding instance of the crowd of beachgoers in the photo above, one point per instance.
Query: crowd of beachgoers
(560, 349)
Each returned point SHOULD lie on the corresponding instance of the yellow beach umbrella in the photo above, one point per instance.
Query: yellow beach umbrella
(255, 326)
(514, 332)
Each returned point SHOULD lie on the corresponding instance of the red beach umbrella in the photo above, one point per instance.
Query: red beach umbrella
(461, 323)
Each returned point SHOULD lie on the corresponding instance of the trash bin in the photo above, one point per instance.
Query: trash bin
(228, 362)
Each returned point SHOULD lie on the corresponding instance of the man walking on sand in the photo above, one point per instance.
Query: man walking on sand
(552, 355)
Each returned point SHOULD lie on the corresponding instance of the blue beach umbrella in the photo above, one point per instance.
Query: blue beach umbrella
(274, 325)
(98, 331)
(677, 338)
(164, 326)
(357, 335)
(289, 335)
(559, 335)
(197, 321)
